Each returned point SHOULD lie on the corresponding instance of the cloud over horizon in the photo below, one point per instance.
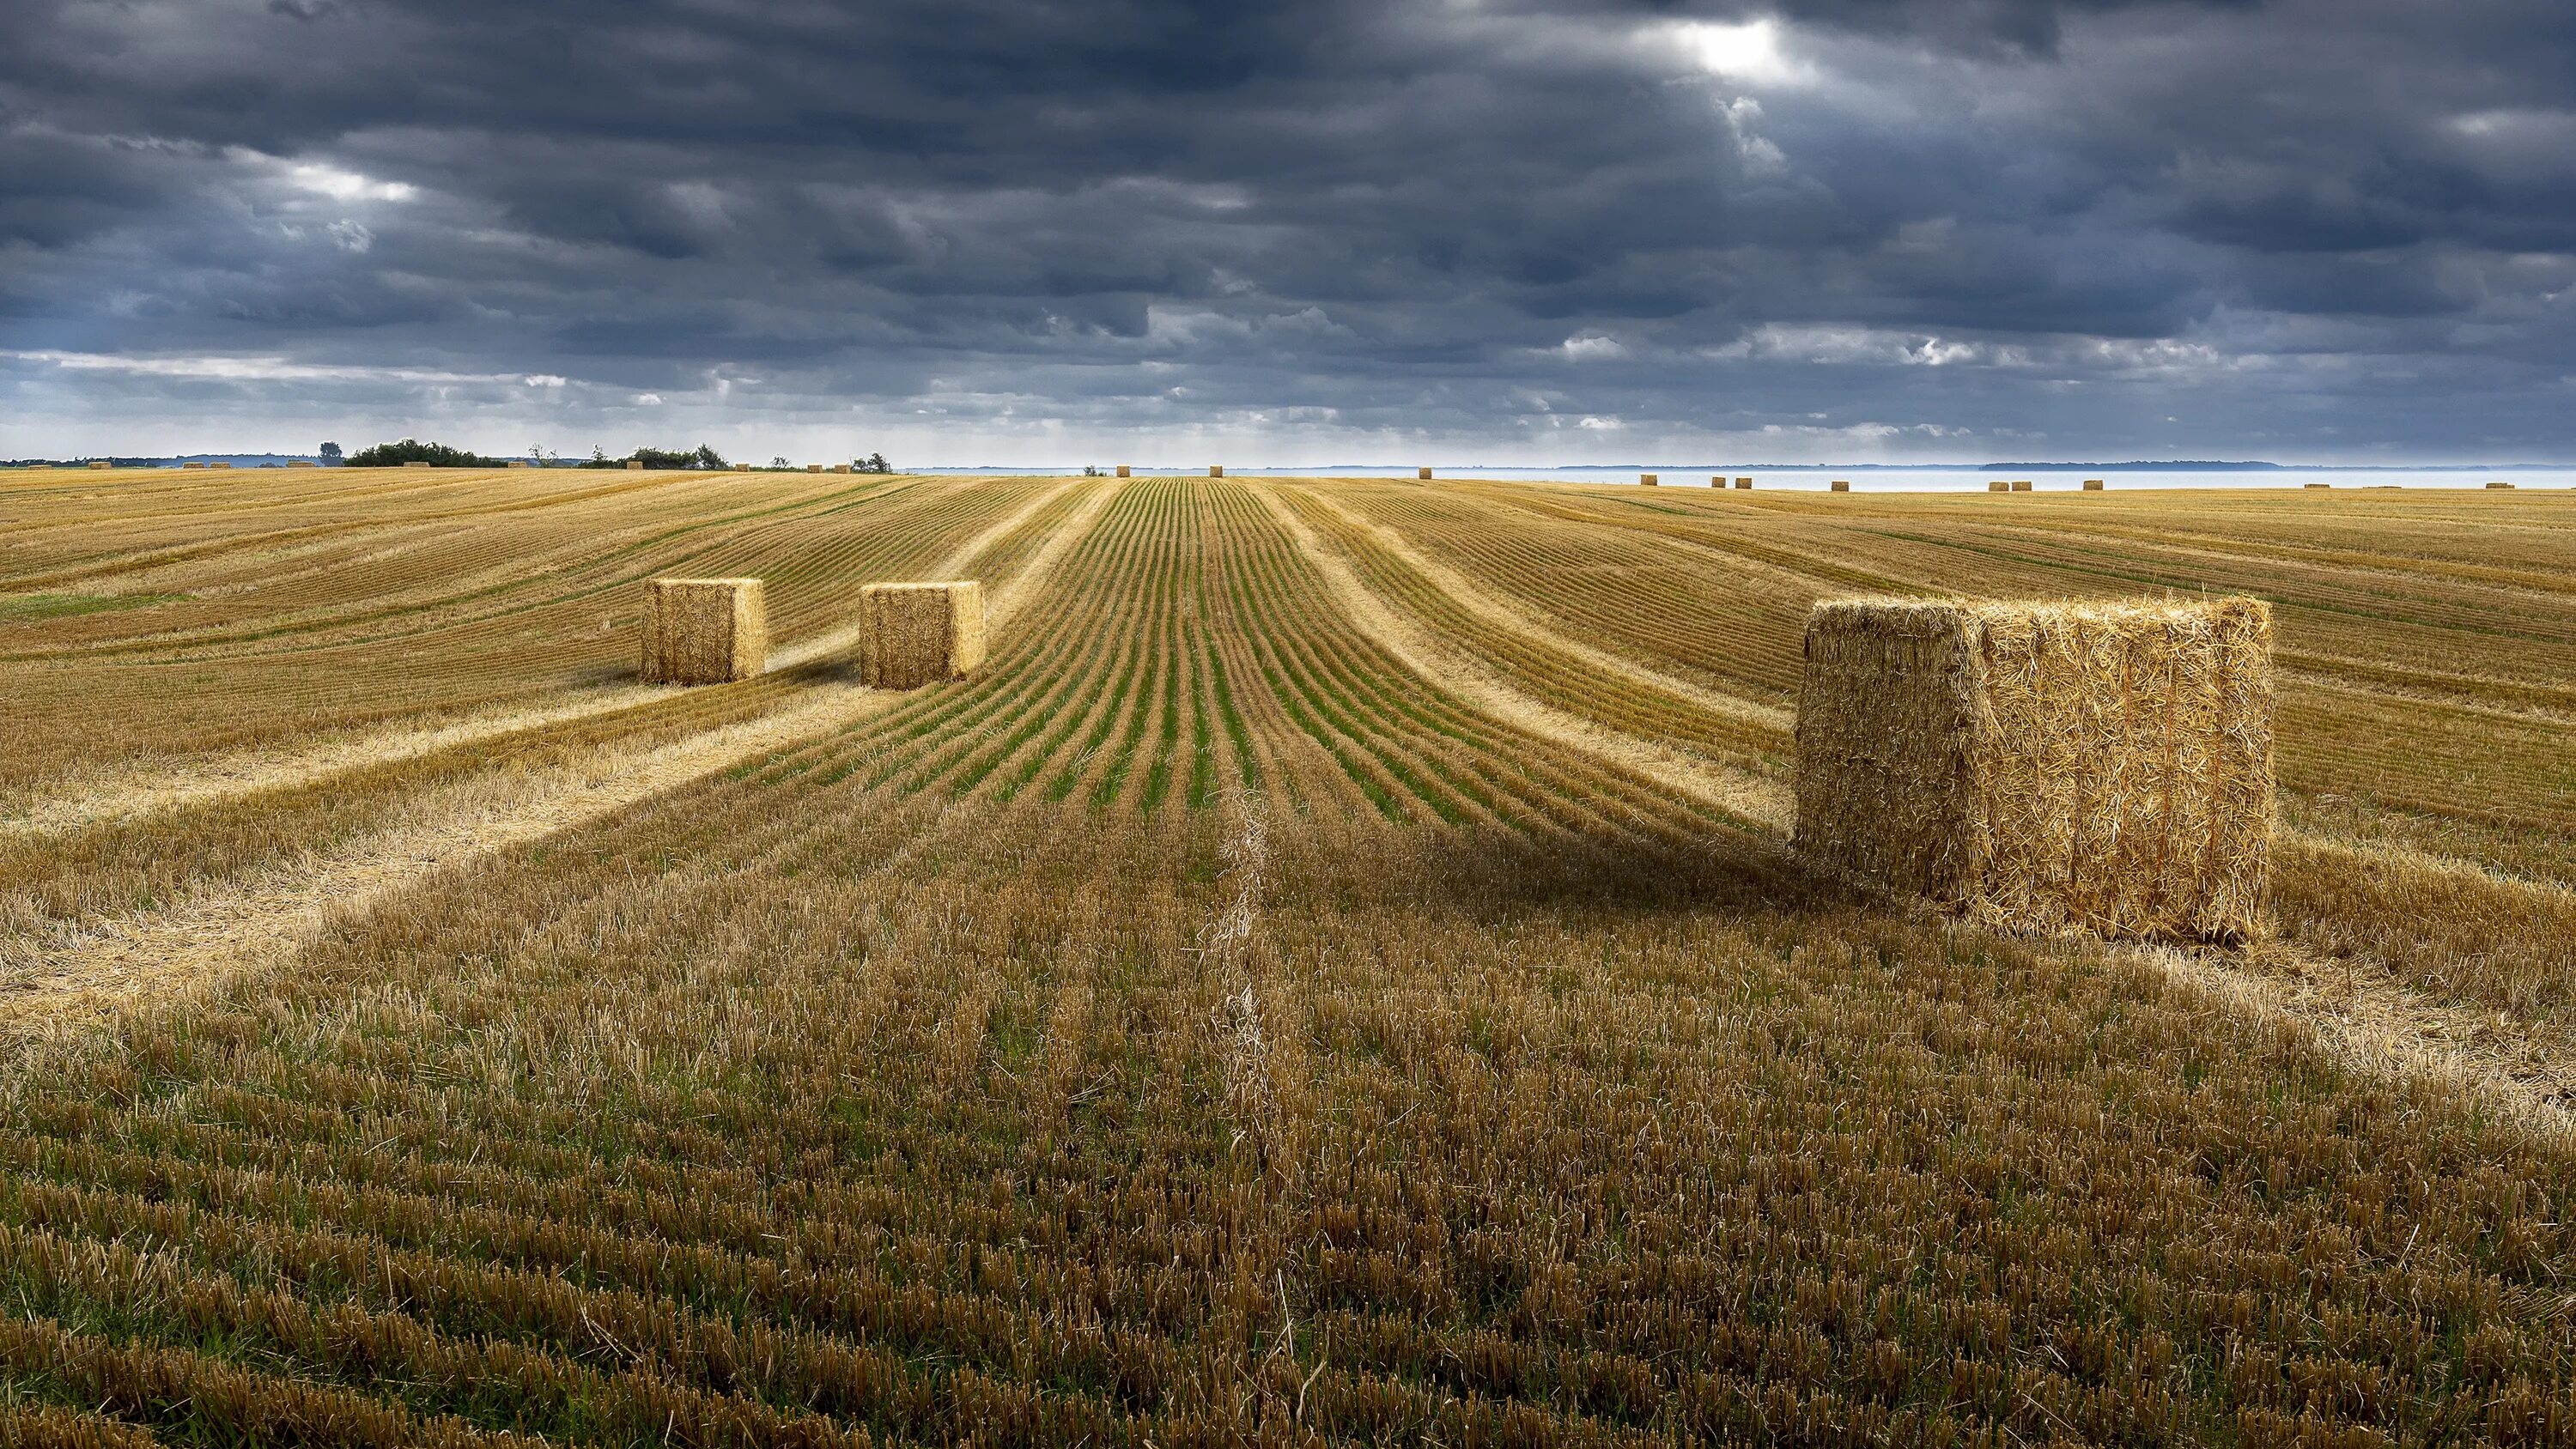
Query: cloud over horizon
(1519, 230)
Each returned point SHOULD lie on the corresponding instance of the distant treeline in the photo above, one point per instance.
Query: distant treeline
(413, 452)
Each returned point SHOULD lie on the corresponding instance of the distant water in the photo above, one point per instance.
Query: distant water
(1916, 480)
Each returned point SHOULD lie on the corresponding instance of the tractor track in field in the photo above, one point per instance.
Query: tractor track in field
(1473, 597)
(1760, 802)
(233, 777)
(2360, 1014)
(88, 971)
(92, 970)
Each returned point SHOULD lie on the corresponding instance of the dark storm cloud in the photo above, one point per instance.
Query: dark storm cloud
(1527, 228)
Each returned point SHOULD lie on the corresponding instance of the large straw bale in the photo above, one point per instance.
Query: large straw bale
(2021, 485)
(1646, 480)
(1999, 487)
(1422, 473)
(2046, 766)
(920, 633)
(1122, 470)
(2092, 485)
(1841, 485)
(1743, 482)
(101, 463)
(704, 631)
(1216, 470)
(192, 465)
(2499, 483)
(634, 465)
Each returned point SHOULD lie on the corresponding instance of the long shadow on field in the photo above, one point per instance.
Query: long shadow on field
(1489, 874)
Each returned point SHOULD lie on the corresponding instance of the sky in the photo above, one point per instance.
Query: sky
(1344, 231)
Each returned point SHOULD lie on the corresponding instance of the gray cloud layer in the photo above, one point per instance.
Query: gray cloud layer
(1525, 229)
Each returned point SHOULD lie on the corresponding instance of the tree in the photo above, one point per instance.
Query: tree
(873, 463)
(413, 450)
(330, 452)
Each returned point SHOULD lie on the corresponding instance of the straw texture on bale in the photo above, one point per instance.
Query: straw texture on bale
(840, 467)
(2021, 485)
(917, 634)
(1646, 480)
(219, 465)
(2046, 766)
(632, 465)
(742, 467)
(1842, 485)
(1743, 482)
(2092, 485)
(192, 465)
(1122, 470)
(704, 631)
(1216, 470)
(1999, 487)
(2499, 483)
(1423, 474)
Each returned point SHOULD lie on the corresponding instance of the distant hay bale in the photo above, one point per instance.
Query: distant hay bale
(634, 465)
(1841, 485)
(1718, 481)
(1216, 470)
(704, 631)
(742, 467)
(813, 467)
(520, 463)
(1422, 473)
(2092, 485)
(219, 465)
(840, 467)
(2499, 483)
(2046, 766)
(1743, 482)
(1122, 470)
(2316, 485)
(101, 463)
(914, 634)
(2021, 485)
(1999, 487)
(1646, 480)
(192, 465)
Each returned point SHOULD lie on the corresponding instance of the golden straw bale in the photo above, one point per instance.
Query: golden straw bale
(2316, 485)
(2499, 483)
(920, 633)
(704, 631)
(1423, 474)
(101, 463)
(1718, 481)
(1216, 470)
(813, 467)
(1743, 482)
(2092, 485)
(1646, 480)
(521, 463)
(192, 465)
(634, 465)
(1999, 487)
(1841, 485)
(219, 465)
(742, 467)
(2021, 485)
(2046, 766)
(1122, 470)
(840, 467)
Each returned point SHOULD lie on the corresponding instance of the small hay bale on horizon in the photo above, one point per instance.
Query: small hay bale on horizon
(2316, 485)
(1840, 485)
(1743, 482)
(2043, 767)
(634, 465)
(2499, 483)
(2021, 485)
(1122, 470)
(1424, 474)
(1216, 470)
(705, 631)
(101, 463)
(1999, 487)
(912, 634)
(1646, 480)
(2092, 485)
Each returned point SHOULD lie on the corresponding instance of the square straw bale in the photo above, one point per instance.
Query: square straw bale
(2499, 483)
(2021, 485)
(1999, 487)
(917, 634)
(704, 631)
(1216, 470)
(1646, 480)
(634, 466)
(1422, 473)
(1743, 482)
(2316, 485)
(1842, 485)
(2046, 766)
(101, 463)
(1122, 470)
(2092, 485)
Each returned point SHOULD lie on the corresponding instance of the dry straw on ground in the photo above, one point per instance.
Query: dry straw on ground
(704, 631)
(917, 634)
(2046, 766)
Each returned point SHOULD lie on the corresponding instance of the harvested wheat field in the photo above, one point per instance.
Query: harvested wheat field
(1337, 971)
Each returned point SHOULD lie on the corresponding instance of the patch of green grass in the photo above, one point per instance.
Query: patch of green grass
(26, 608)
